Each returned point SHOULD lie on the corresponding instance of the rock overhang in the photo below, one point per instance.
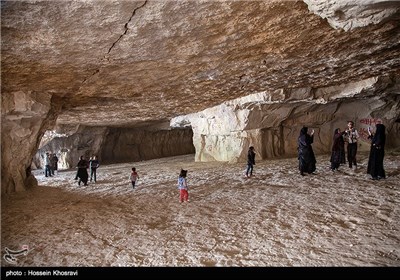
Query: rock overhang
(131, 62)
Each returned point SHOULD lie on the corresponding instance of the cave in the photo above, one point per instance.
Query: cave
(140, 82)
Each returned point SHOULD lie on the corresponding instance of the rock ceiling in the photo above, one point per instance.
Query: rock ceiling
(125, 63)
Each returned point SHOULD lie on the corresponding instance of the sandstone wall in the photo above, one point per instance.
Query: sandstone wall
(112, 145)
(129, 145)
(272, 126)
(350, 14)
(85, 141)
(25, 117)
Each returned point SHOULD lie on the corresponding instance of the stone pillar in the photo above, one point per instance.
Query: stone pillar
(25, 116)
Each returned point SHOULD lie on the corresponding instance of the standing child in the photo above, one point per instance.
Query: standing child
(182, 186)
(134, 177)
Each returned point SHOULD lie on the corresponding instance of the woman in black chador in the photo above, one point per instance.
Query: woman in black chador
(338, 153)
(377, 153)
(307, 161)
(82, 171)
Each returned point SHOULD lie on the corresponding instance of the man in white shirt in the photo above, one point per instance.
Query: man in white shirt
(351, 138)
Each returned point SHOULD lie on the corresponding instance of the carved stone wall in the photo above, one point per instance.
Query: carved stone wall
(24, 118)
(130, 63)
(224, 133)
(112, 145)
(129, 145)
(85, 141)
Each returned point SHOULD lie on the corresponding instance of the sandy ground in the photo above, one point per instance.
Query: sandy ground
(276, 218)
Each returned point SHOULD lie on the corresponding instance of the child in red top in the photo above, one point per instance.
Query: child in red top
(134, 177)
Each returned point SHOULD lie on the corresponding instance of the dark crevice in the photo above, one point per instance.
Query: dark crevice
(126, 26)
(119, 38)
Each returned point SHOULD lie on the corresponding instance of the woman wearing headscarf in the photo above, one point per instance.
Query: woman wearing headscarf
(82, 173)
(377, 152)
(307, 161)
(338, 153)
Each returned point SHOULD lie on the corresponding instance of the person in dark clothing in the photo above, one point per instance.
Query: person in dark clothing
(338, 153)
(54, 162)
(307, 161)
(82, 171)
(377, 152)
(251, 155)
(93, 164)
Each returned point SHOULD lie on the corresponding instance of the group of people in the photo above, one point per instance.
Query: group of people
(349, 136)
(93, 164)
(82, 174)
(182, 183)
(306, 156)
(307, 160)
(50, 164)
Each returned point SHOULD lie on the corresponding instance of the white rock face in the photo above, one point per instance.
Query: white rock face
(350, 14)
(224, 132)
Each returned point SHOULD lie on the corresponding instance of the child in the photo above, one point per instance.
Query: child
(134, 177)
(182, 186)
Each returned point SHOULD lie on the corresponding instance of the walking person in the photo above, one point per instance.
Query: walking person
(338, 152)
(306, 156)
(93, 165)
(134, 177)
(351, 138)
(183, 187)
(377, 152)
(82, 173)
(251, 156)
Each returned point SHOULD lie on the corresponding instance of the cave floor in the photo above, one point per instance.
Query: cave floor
(276, 218)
